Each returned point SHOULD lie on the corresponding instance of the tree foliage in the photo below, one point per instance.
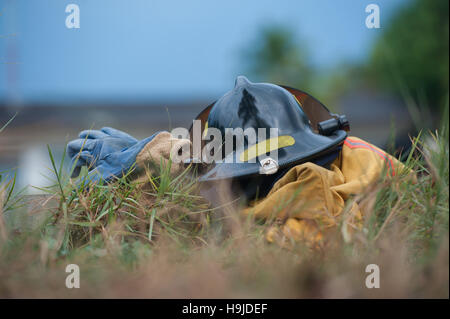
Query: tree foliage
(412, 53)
(277, 56)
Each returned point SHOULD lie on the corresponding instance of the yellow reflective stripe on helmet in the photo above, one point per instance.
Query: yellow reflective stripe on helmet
(266, 146)
(205, 130)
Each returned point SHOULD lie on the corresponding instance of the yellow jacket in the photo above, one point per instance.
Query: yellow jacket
(308, 199)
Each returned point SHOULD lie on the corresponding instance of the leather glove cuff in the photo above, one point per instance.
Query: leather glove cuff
(162, 148)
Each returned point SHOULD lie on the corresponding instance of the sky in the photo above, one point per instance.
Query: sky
(150, 50)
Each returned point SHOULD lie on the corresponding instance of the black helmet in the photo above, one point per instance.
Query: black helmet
(306, 128)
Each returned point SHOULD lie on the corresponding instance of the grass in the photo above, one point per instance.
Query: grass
(157, 237)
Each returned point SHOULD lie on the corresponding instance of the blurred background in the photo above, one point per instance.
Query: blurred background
(147, 65)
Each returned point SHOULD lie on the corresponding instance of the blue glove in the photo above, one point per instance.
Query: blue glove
(108, 153)
(93, 144)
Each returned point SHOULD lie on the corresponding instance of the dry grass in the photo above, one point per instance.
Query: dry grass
(162, 240)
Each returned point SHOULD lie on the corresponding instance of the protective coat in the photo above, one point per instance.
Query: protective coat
(309, 199)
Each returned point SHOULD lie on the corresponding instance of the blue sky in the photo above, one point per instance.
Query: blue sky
(147, 50)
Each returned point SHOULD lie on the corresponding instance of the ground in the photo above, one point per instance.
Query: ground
(162, 240)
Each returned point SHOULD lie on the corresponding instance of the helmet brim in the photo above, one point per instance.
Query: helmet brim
(307, 146)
